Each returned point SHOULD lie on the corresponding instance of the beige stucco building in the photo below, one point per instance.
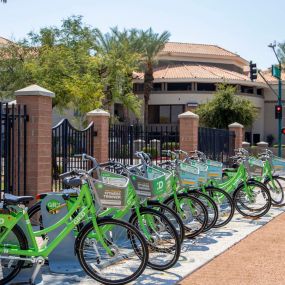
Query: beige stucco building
(186, 76)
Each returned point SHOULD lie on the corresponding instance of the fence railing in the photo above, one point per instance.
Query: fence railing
(217, 144)
(125, 140)
(13, 148)
(66, 142)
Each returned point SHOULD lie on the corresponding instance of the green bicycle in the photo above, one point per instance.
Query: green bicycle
(107, 258)
(161, 236)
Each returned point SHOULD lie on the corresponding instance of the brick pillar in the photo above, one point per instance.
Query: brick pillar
(100, 118)
(39, 109)
(239, 133)
(188, 131)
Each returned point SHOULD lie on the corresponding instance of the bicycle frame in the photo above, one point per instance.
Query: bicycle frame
(84, 202)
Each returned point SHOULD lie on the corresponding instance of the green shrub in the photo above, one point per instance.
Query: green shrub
(170, 146)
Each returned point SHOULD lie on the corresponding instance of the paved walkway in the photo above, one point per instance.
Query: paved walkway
(258, 259)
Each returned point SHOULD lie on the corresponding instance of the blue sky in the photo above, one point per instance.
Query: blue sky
(242, 26)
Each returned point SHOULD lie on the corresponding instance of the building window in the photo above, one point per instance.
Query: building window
(259, 91)
(179, 86)
(246, 89)
(206, 87)
(138, 87)
(157, 87)
(164, 114)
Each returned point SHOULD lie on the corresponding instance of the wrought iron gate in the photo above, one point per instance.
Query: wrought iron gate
(67, 141)
(217, 144)
(13, 146)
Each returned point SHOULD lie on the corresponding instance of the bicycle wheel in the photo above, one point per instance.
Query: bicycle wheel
(129, 252)
(276, 187)
(192, 211)
(225, 204)
(171, 215)
(9, 269)
(162, 238)
(253, 201)
(210, 205)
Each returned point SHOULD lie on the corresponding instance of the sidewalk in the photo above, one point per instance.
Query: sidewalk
(258, 259)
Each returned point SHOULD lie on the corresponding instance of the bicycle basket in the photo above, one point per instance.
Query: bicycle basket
(188, 175)
(278, 164)
(215, 169)
(255, 166)
(151, 186)
(111, 189)
(203, 170)
(169, 178)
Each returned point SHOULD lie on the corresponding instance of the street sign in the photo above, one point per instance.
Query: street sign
(275, 71)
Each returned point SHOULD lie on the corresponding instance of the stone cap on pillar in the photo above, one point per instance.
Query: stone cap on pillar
(235, 125)
(245, 144)
(98, 112)
(34, 90)
(262, 144)
(188, 114)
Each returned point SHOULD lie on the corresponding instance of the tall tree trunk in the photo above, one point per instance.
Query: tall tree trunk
(148, 82)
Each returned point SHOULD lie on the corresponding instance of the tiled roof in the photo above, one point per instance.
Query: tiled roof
(188, 48)
(267, 75)
(4, 41)
(194, 71)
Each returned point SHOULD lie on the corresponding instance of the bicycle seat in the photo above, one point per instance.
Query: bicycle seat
(72, 181)
(71, 192)
(14, 200)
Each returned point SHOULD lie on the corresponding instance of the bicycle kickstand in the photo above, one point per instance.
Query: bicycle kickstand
(39, 263)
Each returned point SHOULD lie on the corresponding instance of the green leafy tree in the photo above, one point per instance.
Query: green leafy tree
(226, 108)
(151, 44)
(121, 58)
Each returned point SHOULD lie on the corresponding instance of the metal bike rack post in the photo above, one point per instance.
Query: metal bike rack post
(62, 259)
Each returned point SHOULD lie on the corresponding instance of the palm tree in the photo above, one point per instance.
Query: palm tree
(151, 44)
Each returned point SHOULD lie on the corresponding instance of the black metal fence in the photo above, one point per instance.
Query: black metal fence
(13, 147)
(125, 140)
(217, 144)
(66, 142)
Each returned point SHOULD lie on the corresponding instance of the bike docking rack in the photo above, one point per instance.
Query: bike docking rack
(63, 259)
(278, 165)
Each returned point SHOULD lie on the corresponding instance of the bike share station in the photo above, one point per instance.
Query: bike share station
(153, 181)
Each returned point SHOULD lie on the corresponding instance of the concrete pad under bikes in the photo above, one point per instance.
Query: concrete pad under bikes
(194, 255)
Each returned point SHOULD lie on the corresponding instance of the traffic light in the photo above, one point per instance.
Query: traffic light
(253, 71)
(278, 111)
(283, 131)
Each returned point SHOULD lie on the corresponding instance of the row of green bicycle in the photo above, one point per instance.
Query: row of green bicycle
(125, 218)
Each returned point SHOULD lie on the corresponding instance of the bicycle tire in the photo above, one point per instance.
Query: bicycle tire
(253, 212)
(226, 196)
(132, 233)
(165, 209)
(174, 249)
(23, 243)
(203, 222)
(211, 206)
(274, 201)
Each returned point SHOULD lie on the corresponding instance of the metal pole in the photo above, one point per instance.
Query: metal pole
(280, 119)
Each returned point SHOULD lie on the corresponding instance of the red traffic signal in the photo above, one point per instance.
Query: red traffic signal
(278, 111)
(283, 131)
